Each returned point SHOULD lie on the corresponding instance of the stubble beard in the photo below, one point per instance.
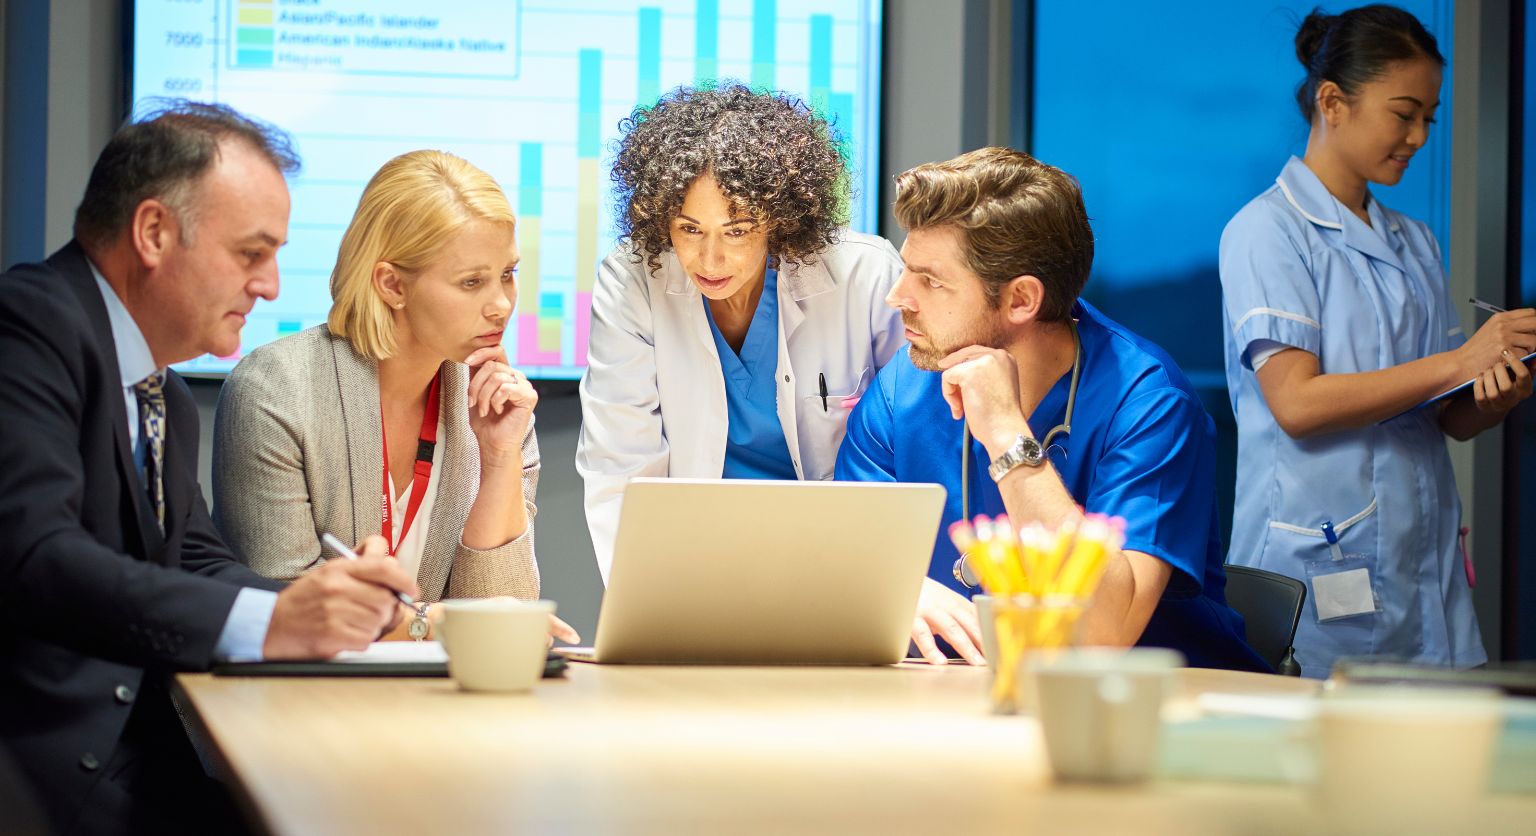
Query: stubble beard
(928, 358)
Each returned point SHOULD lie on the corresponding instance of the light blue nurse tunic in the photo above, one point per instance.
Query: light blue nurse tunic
(1299, 269)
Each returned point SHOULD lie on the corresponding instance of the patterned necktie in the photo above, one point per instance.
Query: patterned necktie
(151, 393)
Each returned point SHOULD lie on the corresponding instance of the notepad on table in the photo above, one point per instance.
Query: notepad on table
(380, 659)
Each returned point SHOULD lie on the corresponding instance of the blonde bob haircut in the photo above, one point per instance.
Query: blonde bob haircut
(407, 214)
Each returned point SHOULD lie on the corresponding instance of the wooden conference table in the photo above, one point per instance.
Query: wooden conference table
(618, 749)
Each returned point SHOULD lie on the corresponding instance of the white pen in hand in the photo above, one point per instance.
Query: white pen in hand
(342, 549)
(1487, 306)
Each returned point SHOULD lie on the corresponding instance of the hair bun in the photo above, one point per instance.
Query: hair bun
(1310, 36)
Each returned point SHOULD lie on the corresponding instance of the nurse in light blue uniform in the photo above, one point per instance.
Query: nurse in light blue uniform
(1338, 325)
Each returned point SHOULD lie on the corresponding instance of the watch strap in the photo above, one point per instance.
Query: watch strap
(1025, 451)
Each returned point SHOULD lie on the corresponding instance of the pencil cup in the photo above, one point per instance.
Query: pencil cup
(496, 644)
(1019, 628)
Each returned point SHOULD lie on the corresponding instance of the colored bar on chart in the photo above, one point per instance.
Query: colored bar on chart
(289, 326)
(706, 41)
(648, 90)
(530, 212)
(764, 44)
(528, 351)
(821, 63)
(589, 145)
(841, 113)
(551, 321)
(254, 35)
(589, 130)
(583, 325)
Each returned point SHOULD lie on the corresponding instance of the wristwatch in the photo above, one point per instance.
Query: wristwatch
(419, 626)
(1025, 450)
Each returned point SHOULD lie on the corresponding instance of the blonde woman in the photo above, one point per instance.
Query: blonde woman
(400, 416)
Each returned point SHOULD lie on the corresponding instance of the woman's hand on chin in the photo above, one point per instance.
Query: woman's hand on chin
(501, 401)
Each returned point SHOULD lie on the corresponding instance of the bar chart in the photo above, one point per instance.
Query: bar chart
(530, 91)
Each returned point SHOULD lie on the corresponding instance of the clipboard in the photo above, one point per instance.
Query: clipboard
(1451, 392)
(381, 659)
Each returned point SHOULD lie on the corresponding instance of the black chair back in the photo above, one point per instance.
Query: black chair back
(1270, 604)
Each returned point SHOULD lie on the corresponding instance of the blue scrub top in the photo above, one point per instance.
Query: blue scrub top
(1142, 447)
(1298, 269)
(755, 447)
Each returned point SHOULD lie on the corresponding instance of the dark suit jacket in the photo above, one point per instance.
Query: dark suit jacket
(96, 606)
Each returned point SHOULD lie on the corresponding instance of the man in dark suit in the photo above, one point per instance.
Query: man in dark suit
(111, 573)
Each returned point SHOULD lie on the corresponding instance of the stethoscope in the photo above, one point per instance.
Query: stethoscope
(1063, 429)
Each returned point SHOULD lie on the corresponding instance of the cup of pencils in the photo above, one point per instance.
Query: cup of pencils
(1040, 580)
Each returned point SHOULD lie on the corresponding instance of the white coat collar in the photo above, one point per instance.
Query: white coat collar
(1312, 200)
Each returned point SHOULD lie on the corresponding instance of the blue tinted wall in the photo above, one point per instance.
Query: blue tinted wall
(1174, 116)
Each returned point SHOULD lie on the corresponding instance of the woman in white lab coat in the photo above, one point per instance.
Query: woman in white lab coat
(1339, 324)
(738, 320)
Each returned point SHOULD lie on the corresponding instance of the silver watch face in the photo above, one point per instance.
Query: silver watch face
(417, 629)
(1026, 451)
(1033, 455)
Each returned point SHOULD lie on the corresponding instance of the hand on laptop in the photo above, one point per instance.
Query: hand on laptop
(341, 605)
(942, 611)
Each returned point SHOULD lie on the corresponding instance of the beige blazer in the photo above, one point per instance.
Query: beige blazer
(297, 452)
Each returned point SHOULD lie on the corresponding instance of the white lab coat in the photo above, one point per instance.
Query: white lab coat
(653, 398)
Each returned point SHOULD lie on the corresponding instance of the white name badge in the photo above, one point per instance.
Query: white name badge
(1343, 594)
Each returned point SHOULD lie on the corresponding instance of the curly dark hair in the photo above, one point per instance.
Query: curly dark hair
(777, 162)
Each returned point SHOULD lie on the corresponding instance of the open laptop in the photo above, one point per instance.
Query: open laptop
(715, 571)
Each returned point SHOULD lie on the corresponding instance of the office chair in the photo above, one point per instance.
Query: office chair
(1270, 605)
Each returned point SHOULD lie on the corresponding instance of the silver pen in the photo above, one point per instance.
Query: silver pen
(1487, 306)
(341, 548)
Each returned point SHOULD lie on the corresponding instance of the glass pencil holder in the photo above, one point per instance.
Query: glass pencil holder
(1026, 628)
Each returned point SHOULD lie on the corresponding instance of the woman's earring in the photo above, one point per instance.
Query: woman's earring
(399, 305)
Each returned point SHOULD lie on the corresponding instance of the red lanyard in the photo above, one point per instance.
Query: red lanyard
(421, 475)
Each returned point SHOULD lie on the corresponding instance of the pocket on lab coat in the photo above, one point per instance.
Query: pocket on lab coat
(821, 428)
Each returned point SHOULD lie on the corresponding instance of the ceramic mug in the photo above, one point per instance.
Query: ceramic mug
(496, 644)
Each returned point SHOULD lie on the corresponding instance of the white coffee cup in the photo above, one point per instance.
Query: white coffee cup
(496, 644)
(1400, 759)
(1100, 710)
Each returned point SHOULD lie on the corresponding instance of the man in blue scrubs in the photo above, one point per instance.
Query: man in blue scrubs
(998, 248)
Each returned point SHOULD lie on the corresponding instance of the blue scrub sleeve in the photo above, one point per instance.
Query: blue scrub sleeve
(1159, 474)
(1266, 283)
(866, 454)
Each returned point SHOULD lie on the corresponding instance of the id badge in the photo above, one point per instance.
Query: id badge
(1341, 586)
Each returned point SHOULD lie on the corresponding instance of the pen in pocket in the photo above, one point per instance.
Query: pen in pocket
(1333, 540)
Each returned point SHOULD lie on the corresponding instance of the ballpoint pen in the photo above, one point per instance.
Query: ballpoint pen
(1487, 306)
(341, 548)
(821, 379)
(1333, 541)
